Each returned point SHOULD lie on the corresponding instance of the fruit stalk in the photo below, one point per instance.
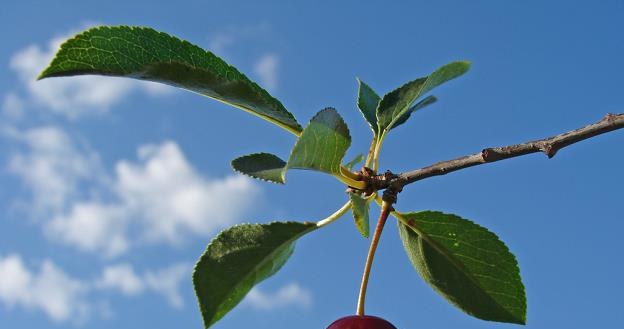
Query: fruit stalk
(383, 216)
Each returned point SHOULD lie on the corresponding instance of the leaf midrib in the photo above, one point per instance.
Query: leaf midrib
(292, 130)
(451, 259)
(255, 268)
(188, 60)
(406, 108)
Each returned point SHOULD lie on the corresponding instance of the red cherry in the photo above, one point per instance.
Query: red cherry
(361, 322)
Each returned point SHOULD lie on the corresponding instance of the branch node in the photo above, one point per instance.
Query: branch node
(390, 194)
(376, 182)
(491, 155)
(549, 150)
(368, 176)
(485, 154)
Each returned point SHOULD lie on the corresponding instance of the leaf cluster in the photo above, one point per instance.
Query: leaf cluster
(464, 262)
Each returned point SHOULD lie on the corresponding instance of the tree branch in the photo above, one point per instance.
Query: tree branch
(548, 146)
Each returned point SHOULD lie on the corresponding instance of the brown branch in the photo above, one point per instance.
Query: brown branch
(548, 146)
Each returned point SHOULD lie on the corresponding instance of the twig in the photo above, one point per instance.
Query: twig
(548, 146)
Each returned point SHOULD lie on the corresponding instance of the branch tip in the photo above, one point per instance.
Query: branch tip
(549, 146)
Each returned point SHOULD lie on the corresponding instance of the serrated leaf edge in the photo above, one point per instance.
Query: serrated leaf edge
(258, 89)
(374, 128)
(454, 261)
(420, 93)
(283, 174)
(367, 200)
(378, 111)
(312, 227)
(309, 122)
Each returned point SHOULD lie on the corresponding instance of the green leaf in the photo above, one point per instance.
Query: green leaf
(264, 166)
(467, 264)
(368, 100)
(359, 208)
(397, 102)
(239, 258)
(357, 159)
(422, 104)
(322, 144)
(146, 54)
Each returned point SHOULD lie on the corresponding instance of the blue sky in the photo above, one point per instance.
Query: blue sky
(112, 188)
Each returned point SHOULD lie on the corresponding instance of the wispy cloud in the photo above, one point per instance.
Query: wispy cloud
(224, 39)
(220, 42)
(289, 295)
(12, 106)
(121, 277)
(71, 97)
(266, 68)
(51, 165)
(67, 299)
(165, 281)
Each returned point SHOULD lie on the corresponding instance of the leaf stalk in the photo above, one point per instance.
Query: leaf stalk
(331, 218)
(386, 207)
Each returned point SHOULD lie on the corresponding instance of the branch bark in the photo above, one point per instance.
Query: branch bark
(549, 146)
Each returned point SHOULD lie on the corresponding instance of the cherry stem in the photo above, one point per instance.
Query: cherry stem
(383, 216)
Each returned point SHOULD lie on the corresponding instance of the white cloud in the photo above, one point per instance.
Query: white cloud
(93, 227)
(291, 294)
(66, 299)
(76, 96)
(266, 69)
(174, 200)
(123, 278)
(50, 290)
(159, 199)
(165, 281)
(51, 165)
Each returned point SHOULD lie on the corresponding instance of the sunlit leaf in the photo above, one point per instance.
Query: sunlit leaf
(367, 102)
(322, 144)
(145, 54)
(359, 208)
(396, 103)
(264, 166)
(239, 258)
(467, 264)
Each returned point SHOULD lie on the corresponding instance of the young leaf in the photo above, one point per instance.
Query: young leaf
(397, 102)
(239, 258)
(145, 54)
(368, 100)
(358, 158)
(359, 208)
(322, 144)
(422, 104)
(264, 166)
(467, 264)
